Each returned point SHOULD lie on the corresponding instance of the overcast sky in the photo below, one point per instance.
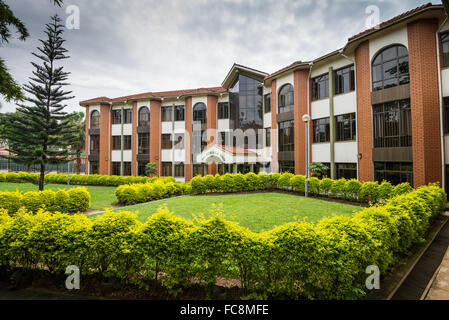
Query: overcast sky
(133, 46)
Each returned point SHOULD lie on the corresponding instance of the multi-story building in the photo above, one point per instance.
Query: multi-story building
(378, 107)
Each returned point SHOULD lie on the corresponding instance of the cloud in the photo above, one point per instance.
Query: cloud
(132, 46)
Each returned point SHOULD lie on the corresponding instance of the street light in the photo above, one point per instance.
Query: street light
(306, 119)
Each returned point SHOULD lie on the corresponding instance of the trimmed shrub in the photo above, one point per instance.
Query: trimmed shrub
(369, 192)
(352, 189)
(326, 186)
(65, 201)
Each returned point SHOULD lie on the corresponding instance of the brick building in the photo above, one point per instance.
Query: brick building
(378, 107)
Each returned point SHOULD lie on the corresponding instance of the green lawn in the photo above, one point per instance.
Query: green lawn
(256, 211)
(101, 197)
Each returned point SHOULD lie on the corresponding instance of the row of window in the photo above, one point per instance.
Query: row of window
(344, 81)
(168, 143)
(346, 128)
(167, 113)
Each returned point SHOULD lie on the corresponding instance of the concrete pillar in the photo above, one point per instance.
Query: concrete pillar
(332, 124)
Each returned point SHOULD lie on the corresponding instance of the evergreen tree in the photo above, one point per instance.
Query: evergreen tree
(78, 122)
(41, 129)
(9, 88)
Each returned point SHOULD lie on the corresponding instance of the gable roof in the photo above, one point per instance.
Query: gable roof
(236, 69)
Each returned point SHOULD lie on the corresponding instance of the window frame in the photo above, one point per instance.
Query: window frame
(223, 111)
(166, 141)
(267, 102)
(116, 116)
(95, 119)
(167, 114)
(340, 128)
(286, 98)
(143, 122)
(317, 82)
(286, 143)
(383, 62)
(316, 124)
(339, 74)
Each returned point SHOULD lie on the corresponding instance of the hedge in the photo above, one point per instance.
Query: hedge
(86, 180)
(146, 192)
(65, 201)
(344, 189)
(292, 261)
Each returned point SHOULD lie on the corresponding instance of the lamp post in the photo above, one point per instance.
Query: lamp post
(306, 119)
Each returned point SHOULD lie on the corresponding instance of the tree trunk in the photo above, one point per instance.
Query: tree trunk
(41, 178)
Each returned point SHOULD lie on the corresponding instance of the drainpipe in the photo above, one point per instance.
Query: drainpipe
(122, 142)
(332, 123)
(356, 109)
(440, 94)
(309, 107)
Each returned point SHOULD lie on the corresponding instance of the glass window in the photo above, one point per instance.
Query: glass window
(321, 130)
(268, 137)
(392, 124)
(94, 167)
(320, 87)
(116, 168)
(116, 116)
(346, 127)
(116, 143)
(127, 169)
(286, 136)
(200, 113)
(179, 113)
(179, 141)
(94, 143)
(286, 98)
(95, 120)
(446, 115)
(166, 142)
(394, 172)
(223, 110)
(200, 169)
(287, 166)
(267, 99)
(143, 143)
(127, 142)
(167, 114)
(390, 68)
(445, 49)
(344, 80)
(141, 168)
(128, 116)
(166, 169)
(144, 117)
(179, 170)
(346, 170)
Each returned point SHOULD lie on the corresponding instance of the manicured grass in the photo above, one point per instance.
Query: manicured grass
(101, 197)
(256, 211)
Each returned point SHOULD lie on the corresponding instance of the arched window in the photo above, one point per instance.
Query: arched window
(286, 102)
(200, 113)
(95, 120)
(390, 67)
(144, 117)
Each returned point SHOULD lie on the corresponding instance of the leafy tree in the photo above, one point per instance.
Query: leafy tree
(42, 130)
(151, 169)
(77, 122)
(318, 169)
(9, 88)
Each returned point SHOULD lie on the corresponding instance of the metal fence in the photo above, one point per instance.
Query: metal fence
(8, 166)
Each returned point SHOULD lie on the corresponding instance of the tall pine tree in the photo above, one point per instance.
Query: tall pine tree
(42, 130)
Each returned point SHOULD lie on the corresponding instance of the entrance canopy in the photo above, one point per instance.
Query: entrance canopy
(227, 155)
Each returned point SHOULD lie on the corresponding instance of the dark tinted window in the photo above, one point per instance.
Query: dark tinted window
(223, 110)
(321, 130)
(394, 172)
(167, 113)
(320, 87)
(95, 120)
(286, 136)
(179, 113)
(344, 80)
(267, 103)
(390, 68)
(346, 127)
(200, 113)
(286, 99)
(144, 117)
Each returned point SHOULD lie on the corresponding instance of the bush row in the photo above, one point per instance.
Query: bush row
(292, 261)
(342, 188)
(95, 180)
(146, 192)
(65, 201)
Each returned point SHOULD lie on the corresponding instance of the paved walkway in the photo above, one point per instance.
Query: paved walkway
(439, 286)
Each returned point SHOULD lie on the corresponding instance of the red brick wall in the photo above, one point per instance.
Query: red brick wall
(424, 100)
(105, 120)
(134, 141)
(212, 102)
(364, 111)
(86, 147)
(155, 133)
(274, 126)
(188, 139)
(300, 99)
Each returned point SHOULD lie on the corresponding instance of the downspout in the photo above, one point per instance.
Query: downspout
(356, 109)
(122, 142)
(309, 107)
(440, 93)
(332, 123)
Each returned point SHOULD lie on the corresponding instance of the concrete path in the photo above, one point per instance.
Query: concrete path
(438, 288)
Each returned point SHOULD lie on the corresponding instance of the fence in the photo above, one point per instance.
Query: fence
(8, 166)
